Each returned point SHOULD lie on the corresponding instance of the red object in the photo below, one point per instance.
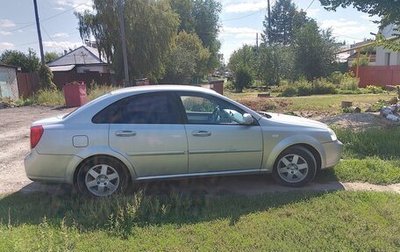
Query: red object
(75, 94)
(378, 75)
(36, 134)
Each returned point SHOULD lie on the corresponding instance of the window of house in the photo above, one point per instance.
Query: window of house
(387, 59)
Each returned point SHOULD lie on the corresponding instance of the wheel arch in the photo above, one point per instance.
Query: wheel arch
(307, 142)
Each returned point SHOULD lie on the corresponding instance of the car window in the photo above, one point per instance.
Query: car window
(155, 108)
(201, 109)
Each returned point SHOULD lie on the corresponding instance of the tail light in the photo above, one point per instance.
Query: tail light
(36, 134)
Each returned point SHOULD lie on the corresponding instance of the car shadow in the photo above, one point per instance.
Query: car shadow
(153, 203)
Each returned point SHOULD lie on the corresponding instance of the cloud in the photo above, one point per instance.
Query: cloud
(239, 32)
(5, 33)
(60, 35)
(61, 45)
(245, 6)
(6, 45)
(78, 5)
(313, 12)
(348, 29)
(6, 23)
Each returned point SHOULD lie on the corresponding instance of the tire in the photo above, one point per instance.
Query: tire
(295, 167)
(102, 177)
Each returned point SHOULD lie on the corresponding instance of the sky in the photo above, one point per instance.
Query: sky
(240, 21)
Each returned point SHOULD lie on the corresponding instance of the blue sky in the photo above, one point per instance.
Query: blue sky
(240, 21)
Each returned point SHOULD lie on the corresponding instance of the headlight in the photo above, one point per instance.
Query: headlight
(333, 135)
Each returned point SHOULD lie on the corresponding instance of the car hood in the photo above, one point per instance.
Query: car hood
(288, 120)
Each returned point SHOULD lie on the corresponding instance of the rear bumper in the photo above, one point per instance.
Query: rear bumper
(333, 153)
(47, 168)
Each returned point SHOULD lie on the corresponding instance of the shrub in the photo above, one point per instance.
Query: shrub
(243, 78)
(348, 82)
(374, 89)
(323, 86)
(289, 91)
(46, 78)
(304, 88)
(49, 97)
(336, 77)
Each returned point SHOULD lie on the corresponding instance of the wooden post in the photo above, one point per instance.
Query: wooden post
(358, 63)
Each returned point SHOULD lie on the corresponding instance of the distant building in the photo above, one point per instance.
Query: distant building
(385, 57)
(8, 82)
(82, 64)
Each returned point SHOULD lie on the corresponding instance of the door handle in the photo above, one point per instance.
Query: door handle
(201, 133)
(125, 133)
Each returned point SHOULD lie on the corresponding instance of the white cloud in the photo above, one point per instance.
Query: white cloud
(5, 33)
(6, 23)
(348, 29)
(78, 5)
(6, 45)
(60, 35)
(313, 12)
(245, 6)
(61, 45)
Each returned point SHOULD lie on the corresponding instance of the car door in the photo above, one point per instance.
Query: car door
(217, 140)
(148, 130)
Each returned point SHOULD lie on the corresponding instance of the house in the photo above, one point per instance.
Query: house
(8, 82)
(367, 51)
(386, 57)
(82, 64)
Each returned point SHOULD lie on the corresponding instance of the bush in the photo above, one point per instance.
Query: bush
(46, 78)
(243, 78)
(49, 97)
(374, 89)
(348, 82)
(304, 88)
(323, 86)
(289, 91)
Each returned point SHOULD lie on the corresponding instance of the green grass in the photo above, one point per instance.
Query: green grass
(280, 222)
(317, 103)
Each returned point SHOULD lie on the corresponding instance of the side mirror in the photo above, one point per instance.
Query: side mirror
(247, 119)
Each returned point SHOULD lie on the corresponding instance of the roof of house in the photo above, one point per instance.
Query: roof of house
(80, 56)
(8, 66)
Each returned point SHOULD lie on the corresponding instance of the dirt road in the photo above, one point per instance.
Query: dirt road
(14, 144)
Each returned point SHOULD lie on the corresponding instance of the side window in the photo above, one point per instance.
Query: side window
(140, 109)
(209, 110)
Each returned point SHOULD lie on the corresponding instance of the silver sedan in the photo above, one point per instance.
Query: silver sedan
(160, 132)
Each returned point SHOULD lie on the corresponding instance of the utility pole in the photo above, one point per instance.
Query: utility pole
(39, 33)
(269, 22)
(123, 40)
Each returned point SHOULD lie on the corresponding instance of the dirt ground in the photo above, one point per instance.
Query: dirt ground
(14, 144)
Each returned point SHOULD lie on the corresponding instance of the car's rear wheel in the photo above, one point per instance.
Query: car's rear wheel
(101, 177)
(296, 166)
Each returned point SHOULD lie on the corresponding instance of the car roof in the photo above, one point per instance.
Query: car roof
(152, 88)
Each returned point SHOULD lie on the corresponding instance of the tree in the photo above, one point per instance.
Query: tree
(28, 62)
(285, 19)
(150, 27)
(46, 78)
(314, 51)
(202, 18)
(51, 56)
(243, 63)
(187, 59)
(387, 11)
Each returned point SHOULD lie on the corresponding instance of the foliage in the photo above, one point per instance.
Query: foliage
(49, 97)
(243, 78)
(51, 56)
(285, 20)
(150, 28)
(28, 62)
(348, 82)
(375, 89)
(46, 78)
(387, 11)
(188, 58)
(362, 61)
(314, 51)
(305, 88)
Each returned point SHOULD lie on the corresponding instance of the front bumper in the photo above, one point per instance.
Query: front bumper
(47, 168)
(333, 153)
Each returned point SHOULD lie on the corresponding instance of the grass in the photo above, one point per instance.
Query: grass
(317, 103)
(284, 222)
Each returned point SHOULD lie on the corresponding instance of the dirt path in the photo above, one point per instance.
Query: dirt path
(14, 144)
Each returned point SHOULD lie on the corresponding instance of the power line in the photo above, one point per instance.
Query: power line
(248, 15)
(45, 19)
(309, 5)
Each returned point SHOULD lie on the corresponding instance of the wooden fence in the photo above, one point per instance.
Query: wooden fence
(378, 75)
(28, 83)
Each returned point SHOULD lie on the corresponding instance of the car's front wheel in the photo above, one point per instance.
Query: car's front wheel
(296, 166)
(102, 176)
